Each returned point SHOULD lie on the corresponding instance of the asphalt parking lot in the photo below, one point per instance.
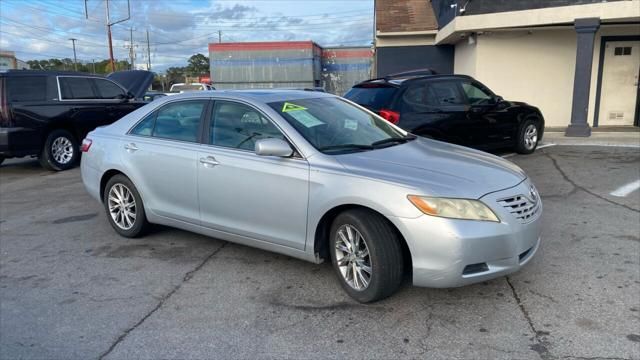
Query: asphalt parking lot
(71, 288)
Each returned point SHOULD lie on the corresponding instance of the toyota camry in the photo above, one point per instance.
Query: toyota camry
(316, 177)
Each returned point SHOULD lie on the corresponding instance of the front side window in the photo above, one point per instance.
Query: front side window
(475, 94)
(334, 126)
(179, 120)
(239, 126)
(109, 90)
(76, 88)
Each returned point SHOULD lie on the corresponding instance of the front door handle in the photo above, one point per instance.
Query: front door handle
(209, 161)
(131, 147)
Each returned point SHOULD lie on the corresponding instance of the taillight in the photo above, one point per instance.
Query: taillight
(86, 144)
(390, 115)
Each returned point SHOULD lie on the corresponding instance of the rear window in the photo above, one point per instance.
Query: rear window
(26, 88)
(371, 97)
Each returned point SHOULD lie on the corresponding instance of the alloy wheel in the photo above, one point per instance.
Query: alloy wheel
(122, 206)
(352, 257)
(62, 150)
(530, 137)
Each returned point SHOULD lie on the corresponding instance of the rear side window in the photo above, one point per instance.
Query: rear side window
(145, 127)
(76, 88)
(374, 98)
(109, 90)
(444, 93)
(179, 120)
(26, 88)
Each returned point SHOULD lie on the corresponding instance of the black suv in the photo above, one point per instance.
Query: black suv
(47, 113)
(452, 108)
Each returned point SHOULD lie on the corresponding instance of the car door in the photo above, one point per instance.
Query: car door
(434, 108)
(161, 152)
(116, 99)
(81, 104)
(260, 197)
(490, 123)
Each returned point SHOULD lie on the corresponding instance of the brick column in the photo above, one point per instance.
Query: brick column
(586, 29)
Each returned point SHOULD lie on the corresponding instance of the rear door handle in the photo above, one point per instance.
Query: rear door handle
(209, 161)
(131, 147)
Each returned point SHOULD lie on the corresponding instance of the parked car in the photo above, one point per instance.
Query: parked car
(452, 108)
(181, 88)
(311, 175)
(48, 113)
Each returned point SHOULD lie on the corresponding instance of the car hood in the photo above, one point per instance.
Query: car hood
(136, 82)
(436, 168)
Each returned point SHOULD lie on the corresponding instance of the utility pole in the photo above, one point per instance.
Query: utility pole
(148, 52)
(93, 61)
(109, 24)
(219, 36)
(131, 52)
(75, 59)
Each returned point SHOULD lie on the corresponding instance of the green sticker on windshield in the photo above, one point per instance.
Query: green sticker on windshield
(292, 107)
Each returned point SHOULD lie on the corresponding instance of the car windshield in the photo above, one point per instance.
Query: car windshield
(334, 126)
(187, 87)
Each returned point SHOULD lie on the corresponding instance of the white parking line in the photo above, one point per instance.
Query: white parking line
(625, 190)
(539, 147)
(545, 146)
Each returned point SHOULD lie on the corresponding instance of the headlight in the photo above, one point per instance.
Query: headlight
(453, 208)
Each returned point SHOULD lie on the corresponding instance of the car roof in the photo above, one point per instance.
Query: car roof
(254, 95)
(13, 72)
(397, 82)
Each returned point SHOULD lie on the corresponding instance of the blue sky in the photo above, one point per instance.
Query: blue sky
(39, 29)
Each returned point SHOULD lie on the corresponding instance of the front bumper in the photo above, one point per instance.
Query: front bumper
(451, 253)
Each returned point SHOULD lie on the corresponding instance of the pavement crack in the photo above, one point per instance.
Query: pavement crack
(161, 302)
(541, 343)
(576, 186)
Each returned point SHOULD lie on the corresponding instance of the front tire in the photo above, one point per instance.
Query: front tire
(60, 151)
(528, 137)
(366, 255)
(124, 207)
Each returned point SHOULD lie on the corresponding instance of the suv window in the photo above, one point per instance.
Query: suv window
(444, 93)
(109, 90)
(177, 121)
(475, 94)
(238, 126)
(414, 99)
(374, 98)
(76, 88)
(26, 88)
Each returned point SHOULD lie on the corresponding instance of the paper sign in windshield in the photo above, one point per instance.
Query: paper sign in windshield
(350, 124)
(305, 118)
(287, 107)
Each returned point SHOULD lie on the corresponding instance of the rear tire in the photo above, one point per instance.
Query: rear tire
(528, 137)
(366, 278)
(124, 207)
(60, 151)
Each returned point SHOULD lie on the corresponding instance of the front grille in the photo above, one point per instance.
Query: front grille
(523, 208)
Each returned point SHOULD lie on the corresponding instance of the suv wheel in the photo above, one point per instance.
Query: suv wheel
(124, 207)
(528, 137)
(366, 255)
(60, 151)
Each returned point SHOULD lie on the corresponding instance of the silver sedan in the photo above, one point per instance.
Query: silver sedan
(316, 177)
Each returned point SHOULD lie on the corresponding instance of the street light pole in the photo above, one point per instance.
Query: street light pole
(75, 59)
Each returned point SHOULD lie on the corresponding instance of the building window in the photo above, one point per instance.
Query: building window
(620, 51)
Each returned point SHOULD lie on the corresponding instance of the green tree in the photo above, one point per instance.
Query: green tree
(198, 65)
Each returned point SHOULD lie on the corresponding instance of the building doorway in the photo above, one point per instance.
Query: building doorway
(619, 86)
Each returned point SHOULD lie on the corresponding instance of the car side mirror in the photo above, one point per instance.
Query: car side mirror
(273, 147)
(498, 99)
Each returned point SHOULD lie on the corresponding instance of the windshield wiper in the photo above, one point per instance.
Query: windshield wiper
(392, 140)
(346, 147)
